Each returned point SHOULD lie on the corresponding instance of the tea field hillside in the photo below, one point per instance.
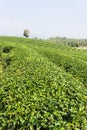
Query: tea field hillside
(43, 85)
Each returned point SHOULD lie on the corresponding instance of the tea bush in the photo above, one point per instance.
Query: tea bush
(36, 94)
(69, 59)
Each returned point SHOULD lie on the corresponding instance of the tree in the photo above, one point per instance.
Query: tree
(26, 33)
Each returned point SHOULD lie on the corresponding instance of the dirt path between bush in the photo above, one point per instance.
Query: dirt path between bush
(82, 47)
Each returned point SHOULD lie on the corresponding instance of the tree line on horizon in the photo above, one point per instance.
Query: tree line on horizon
(62, 40)
(68, 41)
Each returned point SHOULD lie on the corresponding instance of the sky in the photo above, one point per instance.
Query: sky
(44, 18)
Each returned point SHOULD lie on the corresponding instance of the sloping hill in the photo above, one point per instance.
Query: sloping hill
(37, 91)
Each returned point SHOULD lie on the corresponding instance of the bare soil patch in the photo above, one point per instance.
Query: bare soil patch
(82, 47)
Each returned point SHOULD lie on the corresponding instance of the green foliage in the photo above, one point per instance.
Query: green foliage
(70, 59)
(37, 94)
(7, 49)
(68, 41)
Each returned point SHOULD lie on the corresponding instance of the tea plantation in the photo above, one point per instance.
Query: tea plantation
(43, 85)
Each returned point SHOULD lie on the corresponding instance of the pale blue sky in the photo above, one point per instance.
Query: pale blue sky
(44, 18)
